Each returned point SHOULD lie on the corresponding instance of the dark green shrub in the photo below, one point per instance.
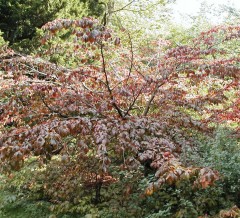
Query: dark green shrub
(223, 154)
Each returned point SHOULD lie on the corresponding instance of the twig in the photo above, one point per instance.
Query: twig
(152, 98)
(51, 109)
(108, 85)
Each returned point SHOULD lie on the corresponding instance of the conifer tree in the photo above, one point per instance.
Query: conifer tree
(19, 19)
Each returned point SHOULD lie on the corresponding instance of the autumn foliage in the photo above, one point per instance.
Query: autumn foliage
(117, 105)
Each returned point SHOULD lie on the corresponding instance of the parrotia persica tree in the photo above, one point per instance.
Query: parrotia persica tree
(120, 107)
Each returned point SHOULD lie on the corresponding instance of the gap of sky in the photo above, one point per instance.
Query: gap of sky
(183, 8)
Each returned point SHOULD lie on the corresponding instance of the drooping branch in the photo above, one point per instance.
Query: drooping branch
(51, 109)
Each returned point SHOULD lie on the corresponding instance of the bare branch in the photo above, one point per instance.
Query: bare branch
(51, 109)
(152, 98)
(120, 9)
(108, 85)
(134, 101)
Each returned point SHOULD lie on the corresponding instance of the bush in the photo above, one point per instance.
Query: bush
(222, 153)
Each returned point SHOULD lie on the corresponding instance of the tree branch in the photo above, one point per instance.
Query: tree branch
(108, 85)
(120, 9)
(51, 109)
(134, 101)
(152, 98)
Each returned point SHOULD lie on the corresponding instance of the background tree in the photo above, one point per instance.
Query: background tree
(2, 41)
(20, 19)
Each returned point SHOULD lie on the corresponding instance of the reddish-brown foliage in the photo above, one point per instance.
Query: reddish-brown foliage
(119, 105)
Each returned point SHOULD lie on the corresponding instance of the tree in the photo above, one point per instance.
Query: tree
(120, 109)
(20, 19)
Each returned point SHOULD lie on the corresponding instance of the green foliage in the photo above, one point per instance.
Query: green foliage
(20, 19)
(222, 153)
(124, 198)
(21, 208)
(2, 41)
